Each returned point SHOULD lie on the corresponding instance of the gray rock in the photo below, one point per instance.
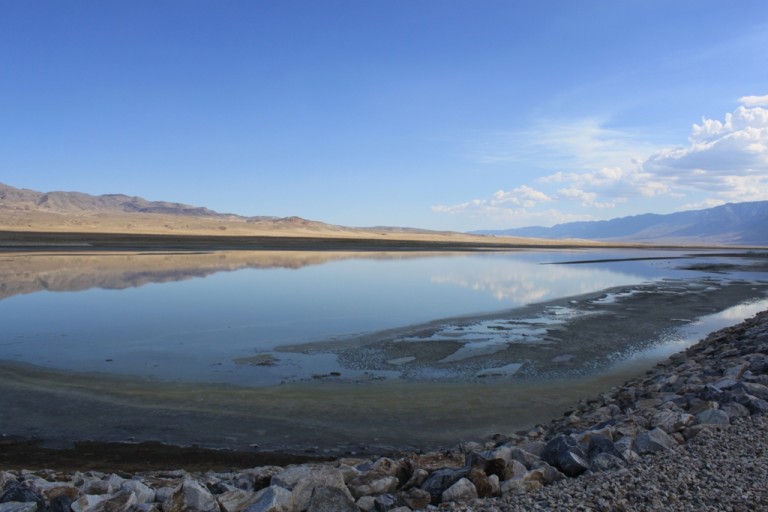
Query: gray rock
(417, 479)
(13, 491)
(121, 502)
(671, 421)
(695, 430)
(15, 506)
(550, 474)
(440, 480)
(512, 487)
(533, 447)
(373, 483)
(289, 478)
(331, 499)
(235, 500)
(144, 494)
(602, 444)
(348, 472)
(388, 466)
(712, 416)
(61, 503)
(384, 503)
(654, 441)
(366, 503)
(191, 495)
(415, 499)
(97, 486)
(493, 480)
(606, 462)
(272, 499)
(564, 453)
(319, 476)
(478, 477)
(256, 479)
(462, 490)
(757, 390)
(734, 410)
(163, 494)
(513, 470)
(87, 502)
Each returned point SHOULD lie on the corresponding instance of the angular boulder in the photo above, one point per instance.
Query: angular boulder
(654, 441)
(271, 499)
(191, 495)
(331, 499)
(564, 453)
(462, 490)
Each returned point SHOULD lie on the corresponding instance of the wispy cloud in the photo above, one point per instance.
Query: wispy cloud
(596, 168)
(754, 101)
(584, 144)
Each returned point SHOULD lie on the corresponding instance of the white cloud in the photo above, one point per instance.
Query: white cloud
(754, 101)
(596, 168)
(576, 145)
(502, 201)
(707, 203)
(727, 158)
(507, 216)
(585, 198)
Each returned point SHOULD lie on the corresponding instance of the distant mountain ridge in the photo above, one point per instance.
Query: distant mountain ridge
(30, 210)
(73, 202)
(733, 223)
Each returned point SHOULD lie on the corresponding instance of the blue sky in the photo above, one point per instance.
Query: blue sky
(428, 113)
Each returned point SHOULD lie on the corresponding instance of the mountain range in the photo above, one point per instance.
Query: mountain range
(30, 210)
(733, 223)
(77, 212)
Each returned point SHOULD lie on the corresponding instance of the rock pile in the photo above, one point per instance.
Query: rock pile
(723, 380)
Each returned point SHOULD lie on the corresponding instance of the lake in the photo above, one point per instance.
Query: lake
(415, 340)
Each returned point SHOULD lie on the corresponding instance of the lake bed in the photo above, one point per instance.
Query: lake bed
(343, 352)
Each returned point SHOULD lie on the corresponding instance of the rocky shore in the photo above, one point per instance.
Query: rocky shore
(688, 435)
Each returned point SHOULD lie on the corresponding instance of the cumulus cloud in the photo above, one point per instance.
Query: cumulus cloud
(500, 202)
(585, 198)
(728, 158)
(725, 160)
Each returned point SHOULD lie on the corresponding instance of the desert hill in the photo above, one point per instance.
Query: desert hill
(24, 210)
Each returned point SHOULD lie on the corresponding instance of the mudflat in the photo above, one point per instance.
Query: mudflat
(427, 408)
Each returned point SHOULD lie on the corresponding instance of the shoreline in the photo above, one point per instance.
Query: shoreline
(691, 402)
(378, 416)
(33, 241)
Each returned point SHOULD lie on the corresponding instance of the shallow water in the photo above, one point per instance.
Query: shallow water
(384, 348)
(206, 328)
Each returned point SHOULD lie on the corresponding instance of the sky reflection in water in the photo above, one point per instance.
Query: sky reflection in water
(193, 329)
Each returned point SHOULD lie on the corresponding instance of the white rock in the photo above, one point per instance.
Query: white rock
(16, 506)
(144, 494)
(191, 496)
(272, 499)
(324, 476)
(236, 500)
(87, 501)
(463, 490)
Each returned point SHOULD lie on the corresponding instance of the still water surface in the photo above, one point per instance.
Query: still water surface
(194, 329)
(212, 319)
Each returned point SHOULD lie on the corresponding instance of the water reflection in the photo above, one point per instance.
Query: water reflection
(22, 273)
(421, 330)
(198, 317)
(519, 282)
